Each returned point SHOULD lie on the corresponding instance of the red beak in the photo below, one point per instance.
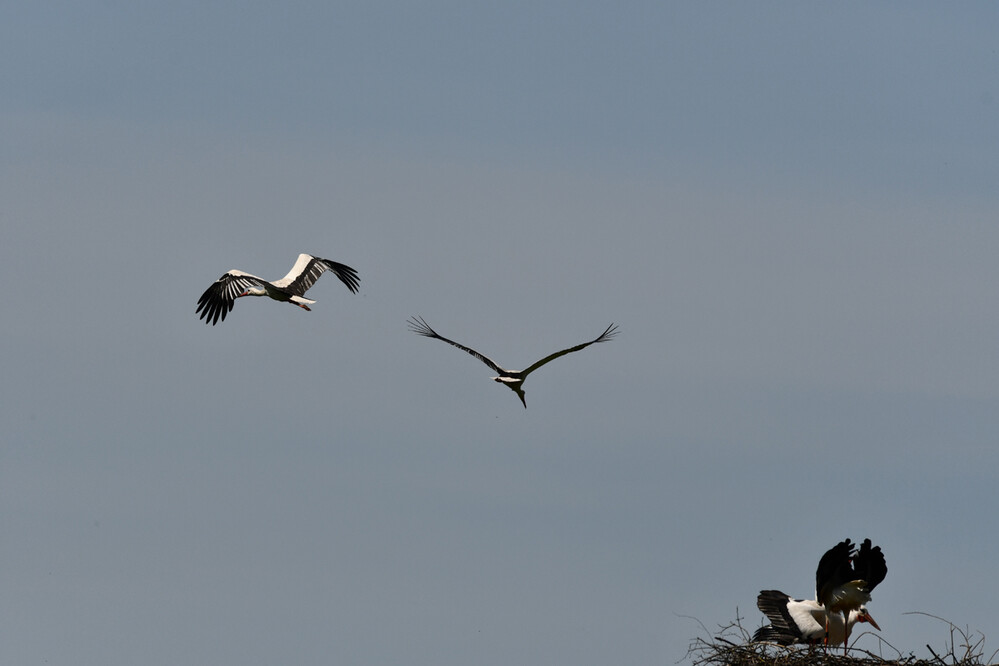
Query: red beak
(867, 618)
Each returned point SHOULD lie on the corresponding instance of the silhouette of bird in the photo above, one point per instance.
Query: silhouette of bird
(514, 379)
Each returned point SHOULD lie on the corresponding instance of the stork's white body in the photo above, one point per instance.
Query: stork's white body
(804, 621)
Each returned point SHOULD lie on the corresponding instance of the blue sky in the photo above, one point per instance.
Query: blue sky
(788, 208)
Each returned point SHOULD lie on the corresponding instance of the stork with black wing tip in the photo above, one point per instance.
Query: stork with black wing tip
(514, 379)
(845, 578)
(218, 299)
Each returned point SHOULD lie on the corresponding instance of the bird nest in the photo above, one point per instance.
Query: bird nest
(731, 646)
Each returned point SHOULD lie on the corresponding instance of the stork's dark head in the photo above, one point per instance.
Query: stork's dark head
(514, 384)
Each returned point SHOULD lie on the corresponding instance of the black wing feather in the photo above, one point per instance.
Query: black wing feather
(219, 299)
(869, 565)
(311, 272)
(782, 628)
(420, 327)
(834, 569)
(603, 337)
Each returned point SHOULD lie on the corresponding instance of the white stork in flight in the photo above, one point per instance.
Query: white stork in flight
(803, 621)
(514, 379)
(845, 578)
(218, 299)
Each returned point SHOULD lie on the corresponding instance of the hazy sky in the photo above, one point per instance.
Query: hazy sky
(790, 209)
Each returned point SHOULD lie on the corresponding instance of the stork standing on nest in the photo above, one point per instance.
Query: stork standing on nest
(845, 578)
(804, 621)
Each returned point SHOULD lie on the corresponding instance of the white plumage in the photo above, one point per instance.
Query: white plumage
(803, 621)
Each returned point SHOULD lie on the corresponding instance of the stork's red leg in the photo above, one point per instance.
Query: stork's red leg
(846, 630)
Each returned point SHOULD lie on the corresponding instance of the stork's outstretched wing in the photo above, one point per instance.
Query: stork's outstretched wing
(869, 565)
(307, 270)
(603, 337)
(834, 569)
(218, 299)
(420, 327)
